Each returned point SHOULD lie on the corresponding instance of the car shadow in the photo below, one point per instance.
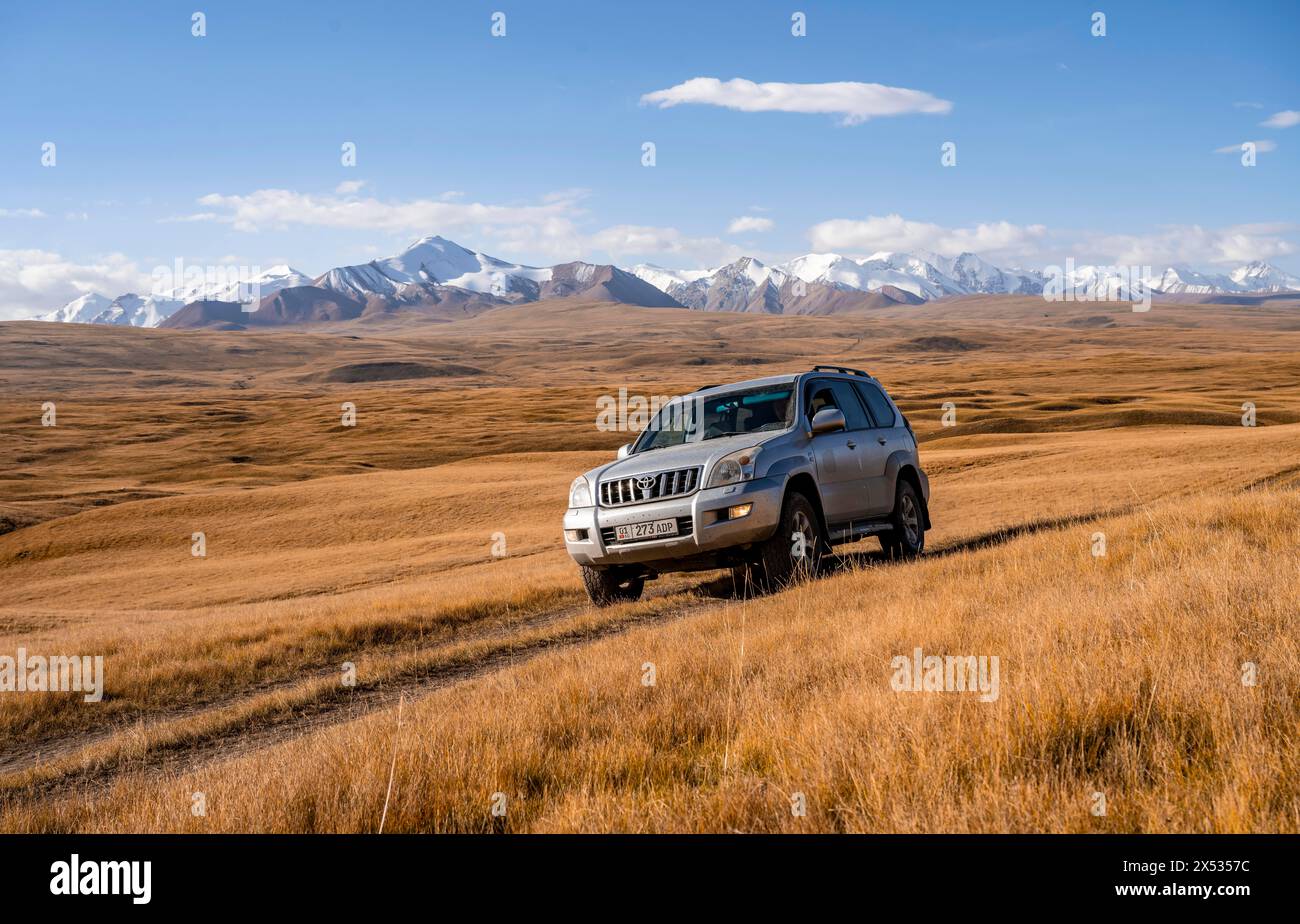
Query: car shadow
(849, 559)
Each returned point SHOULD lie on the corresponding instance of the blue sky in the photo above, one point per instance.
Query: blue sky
(226, 148)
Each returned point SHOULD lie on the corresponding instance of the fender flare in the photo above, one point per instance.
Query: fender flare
(899, 465)
(797, 465)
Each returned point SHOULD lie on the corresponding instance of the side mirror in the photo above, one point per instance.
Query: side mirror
(625, 450)
(828, 420)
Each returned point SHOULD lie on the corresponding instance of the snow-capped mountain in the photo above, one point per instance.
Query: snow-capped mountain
(128, 310)
(1099, 282)
(815, 284)
(134, 310)
(973, 274)
(666, 280)
(438, 278)
(748, 285)
(81, 310)
(1182, 280)
(749, 282)
(1260, 277)
(922, 275)
(131, 310)
(228, 289)
(433, 268)
(868, 275)
(436, 261)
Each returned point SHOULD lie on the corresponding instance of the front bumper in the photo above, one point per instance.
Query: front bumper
(705, 530)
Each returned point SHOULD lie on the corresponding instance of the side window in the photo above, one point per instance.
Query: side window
(819, 396)
(881, 409)
(848, 402)
(834, 393)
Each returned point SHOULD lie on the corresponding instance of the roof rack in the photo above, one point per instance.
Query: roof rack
(841, 369)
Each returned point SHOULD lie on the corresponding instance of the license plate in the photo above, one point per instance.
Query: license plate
(654, 529)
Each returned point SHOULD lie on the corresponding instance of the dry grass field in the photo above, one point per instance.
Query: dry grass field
(479, 675)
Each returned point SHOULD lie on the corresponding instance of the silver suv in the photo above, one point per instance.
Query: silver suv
(761, 477)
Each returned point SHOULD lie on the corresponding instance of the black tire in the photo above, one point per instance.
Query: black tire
(779, 562)
(907, 538)
(609, 586)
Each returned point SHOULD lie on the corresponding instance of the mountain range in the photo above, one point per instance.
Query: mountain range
(435, 278)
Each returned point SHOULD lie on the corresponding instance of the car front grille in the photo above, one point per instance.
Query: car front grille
(619, 492)
(684, 527)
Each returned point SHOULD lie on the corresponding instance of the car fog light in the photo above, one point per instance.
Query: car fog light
(738, 511)
(575, 535)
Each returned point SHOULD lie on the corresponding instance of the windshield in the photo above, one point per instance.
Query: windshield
(694, 418)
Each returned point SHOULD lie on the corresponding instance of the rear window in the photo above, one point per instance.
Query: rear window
(881, 409)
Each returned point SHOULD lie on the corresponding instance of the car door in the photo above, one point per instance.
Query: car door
(839, 469)
(887, 436)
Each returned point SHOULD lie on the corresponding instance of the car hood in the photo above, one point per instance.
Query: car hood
(687, 455)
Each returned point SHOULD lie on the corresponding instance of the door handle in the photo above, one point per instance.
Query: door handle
(881, 440)
(852, 445)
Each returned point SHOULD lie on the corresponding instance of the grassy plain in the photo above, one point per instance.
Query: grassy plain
(372, 545)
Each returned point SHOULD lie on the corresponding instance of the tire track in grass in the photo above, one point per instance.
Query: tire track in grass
(268, 718)
(330, 704)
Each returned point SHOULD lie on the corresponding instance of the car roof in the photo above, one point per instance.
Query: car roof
(749, 383)
(788, 379)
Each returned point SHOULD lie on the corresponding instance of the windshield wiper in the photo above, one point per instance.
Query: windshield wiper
(713, 436)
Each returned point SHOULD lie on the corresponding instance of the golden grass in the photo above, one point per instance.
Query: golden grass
(372, 545)
(1108, 685)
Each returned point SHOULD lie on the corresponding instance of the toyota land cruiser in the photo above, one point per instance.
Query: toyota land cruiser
(762, 477)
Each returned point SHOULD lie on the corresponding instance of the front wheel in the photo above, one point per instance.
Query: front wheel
(609, 586)
(907, 537)
(795, 550)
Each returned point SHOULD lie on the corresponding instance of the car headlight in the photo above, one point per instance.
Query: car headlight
(733, 468)
(580, 492)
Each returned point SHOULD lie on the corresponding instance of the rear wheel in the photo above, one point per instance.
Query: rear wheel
(795, 550)
(907, 537)
(608, 586)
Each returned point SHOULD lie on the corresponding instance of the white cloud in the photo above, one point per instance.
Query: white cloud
(1261, 147)
(856, 102)
(545, 228)
(1195, 245)
(747, 223)
(283, 208)
(1287, 118)
(621, 241)
(1248, 105)
(21, 213)
(893, 232)
(1032, 245)
(350, 187)
(35, 281)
